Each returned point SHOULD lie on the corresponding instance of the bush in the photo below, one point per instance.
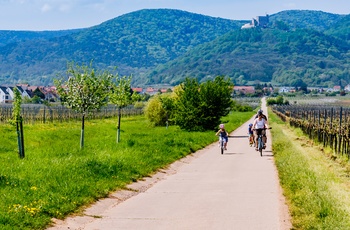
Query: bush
(201, 106)
(158, 109)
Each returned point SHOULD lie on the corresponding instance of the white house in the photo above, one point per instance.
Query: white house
(5, 97)
(7, 94)
(24, 92)
(11, 93)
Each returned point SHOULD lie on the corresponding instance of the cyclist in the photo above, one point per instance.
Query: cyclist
(222, 133)
(251, 134)
(260, 125)
(264, 116)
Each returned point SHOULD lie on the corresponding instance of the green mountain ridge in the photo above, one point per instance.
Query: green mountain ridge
(265, 55)
(165, 45)
(133, 42)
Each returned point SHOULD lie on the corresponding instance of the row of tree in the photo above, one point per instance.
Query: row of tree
(87, 90)
(193, 106)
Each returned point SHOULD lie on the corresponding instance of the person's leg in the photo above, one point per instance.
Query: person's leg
(263, 132)
(225, 143)
(256, 139)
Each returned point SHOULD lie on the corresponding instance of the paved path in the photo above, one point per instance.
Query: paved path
(206, 190)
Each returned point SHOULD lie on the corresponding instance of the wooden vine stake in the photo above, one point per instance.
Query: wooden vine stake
(18, 121)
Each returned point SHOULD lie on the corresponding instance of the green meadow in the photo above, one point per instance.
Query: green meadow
(56, 178)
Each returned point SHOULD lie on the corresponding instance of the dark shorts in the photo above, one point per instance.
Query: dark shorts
(260, 132)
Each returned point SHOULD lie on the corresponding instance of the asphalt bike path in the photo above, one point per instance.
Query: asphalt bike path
(205, 190)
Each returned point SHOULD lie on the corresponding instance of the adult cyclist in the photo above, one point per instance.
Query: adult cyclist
(264, 116)
(260, 125)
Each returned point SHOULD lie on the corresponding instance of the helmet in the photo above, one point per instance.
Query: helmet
(222, 126)
(260, 111)
(250, 125)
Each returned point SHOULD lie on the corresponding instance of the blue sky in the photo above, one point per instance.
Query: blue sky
(38, 15)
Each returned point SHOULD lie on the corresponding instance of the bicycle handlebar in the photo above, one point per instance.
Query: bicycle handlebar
(264, 128)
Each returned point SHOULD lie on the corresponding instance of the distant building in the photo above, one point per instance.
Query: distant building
(337, 88)
(259, 21)
(137, 90)
(244, 89)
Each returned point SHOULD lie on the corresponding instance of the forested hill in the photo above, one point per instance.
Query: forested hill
(310, 19)
(12, 36)
(165, 45)
(266, 55)
(133, 42)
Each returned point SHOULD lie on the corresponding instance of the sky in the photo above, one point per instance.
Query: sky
(40, 15)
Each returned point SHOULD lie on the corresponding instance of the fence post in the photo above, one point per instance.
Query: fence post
(340, 128)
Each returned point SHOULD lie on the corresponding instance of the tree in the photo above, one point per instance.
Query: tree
(84, 91)
(154, 111)
(159, 109)
(201, 106)
(121, 96)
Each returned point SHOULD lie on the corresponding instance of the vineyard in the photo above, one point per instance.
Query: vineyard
(329, 125)
(42, 114)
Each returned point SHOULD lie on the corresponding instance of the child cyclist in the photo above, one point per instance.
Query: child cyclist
(251, 134)
(222, 133)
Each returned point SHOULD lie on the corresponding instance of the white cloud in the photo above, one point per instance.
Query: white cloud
(46, 8)
(65, 7)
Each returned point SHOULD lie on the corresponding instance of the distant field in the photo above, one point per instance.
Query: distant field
(321, 99)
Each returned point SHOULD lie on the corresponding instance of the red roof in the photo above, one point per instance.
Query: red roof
(138, 89)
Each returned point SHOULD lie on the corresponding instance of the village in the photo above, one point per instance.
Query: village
(38, 94)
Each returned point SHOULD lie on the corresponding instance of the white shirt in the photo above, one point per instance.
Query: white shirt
(260, 124)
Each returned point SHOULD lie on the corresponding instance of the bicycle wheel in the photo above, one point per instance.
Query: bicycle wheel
(260, 145)
(222, 146)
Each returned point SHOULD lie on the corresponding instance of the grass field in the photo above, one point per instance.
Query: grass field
(315, 182)
(56, 178)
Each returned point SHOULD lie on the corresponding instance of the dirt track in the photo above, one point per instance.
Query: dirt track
(206, 190)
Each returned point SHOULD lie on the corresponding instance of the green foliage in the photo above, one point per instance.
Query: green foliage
(37, 92)
(279, 100)
(140, 40)
(299, 44)
(236, 106)
(16, 111)
(201, 106)
(159, 109)
(154, 111)
(84, 90)
(121, 92)
(268, 55)
(315, 20)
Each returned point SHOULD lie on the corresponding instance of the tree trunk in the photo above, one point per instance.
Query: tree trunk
(118, 128)
(82, 132)
(22, 138)
(19, 140)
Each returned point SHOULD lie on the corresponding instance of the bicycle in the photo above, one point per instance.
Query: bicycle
(260, 143)
(222, 145)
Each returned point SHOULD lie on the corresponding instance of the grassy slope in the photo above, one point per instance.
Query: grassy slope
(56, 177)
(317, 187)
